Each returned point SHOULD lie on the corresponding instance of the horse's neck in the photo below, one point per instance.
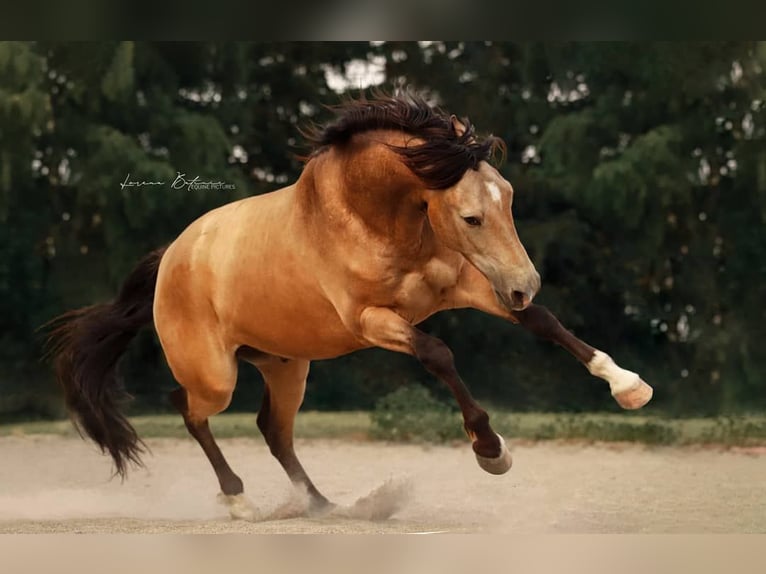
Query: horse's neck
(384, 207)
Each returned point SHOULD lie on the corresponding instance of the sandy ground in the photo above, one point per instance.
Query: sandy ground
(55, 484)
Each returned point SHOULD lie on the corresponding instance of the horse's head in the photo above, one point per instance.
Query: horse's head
(469, 202)
(474, 218)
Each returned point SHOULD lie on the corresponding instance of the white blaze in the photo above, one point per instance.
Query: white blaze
(494, 192)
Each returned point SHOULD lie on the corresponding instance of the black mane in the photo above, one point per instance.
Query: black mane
(439, 162)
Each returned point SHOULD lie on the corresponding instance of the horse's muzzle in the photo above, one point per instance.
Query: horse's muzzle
(515, 301)
(520, 299)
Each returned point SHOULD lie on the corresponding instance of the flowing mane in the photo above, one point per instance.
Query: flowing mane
(440, 161)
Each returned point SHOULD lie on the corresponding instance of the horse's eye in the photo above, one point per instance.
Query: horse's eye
(472, 221)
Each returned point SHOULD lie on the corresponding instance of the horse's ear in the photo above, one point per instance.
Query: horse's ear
(457, 126)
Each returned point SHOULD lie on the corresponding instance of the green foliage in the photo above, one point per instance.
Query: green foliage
(577, 427)
(118, 79)
(732, 430)
(735, 431)
(643, 174)
(412, 414)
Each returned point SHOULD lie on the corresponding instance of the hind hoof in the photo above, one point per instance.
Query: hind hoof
(635, 397)
(240, 507)
(320, 507)
(499, 464)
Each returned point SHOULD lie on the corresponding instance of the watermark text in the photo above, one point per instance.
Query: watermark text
(182, 181)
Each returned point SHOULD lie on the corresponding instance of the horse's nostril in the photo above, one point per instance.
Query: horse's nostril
(519, 299)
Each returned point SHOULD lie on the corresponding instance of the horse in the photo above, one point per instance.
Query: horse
(398, 214)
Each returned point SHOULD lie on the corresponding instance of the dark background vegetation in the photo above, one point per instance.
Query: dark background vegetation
(640, 172)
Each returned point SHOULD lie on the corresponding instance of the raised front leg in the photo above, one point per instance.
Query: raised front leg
(385, 328)
(628, 389)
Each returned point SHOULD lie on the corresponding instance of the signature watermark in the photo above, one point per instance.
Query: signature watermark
(182, 181)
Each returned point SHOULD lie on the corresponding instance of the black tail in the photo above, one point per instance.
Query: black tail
(85, 345)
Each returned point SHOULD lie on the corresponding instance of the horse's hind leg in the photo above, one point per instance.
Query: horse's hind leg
(283, 394)
(231, 485)
(207, 387)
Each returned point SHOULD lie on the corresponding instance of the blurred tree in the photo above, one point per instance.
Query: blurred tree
(640, 172)
(25, 113)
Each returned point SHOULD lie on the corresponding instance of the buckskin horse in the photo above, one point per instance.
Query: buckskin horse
(396, 215)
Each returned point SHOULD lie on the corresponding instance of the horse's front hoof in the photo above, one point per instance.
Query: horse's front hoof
(635, 397)
(499, 464)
